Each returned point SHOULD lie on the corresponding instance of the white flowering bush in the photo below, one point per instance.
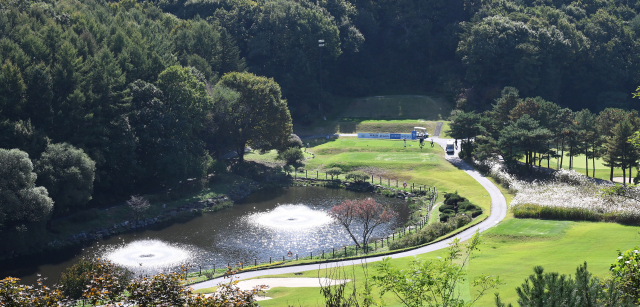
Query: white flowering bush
(570, 195)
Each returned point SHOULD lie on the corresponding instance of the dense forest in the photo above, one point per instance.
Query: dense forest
(100, 100)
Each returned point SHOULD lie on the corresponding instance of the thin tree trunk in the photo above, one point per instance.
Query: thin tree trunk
(594, 160)
(562, 155)
(586, 158)
(571, 156)
(611, 175)
(624, 175)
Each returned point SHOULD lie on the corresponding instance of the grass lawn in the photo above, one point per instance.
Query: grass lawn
(390, 159)
(510, 250)
(579, 165)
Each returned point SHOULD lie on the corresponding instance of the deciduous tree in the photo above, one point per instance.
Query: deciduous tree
(259, 117)
(68, 174)
(20, 199)
(364, 215)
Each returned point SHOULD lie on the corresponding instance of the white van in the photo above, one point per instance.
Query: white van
(450, 147)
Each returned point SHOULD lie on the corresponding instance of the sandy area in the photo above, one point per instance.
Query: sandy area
(287, 282)
(619, 179)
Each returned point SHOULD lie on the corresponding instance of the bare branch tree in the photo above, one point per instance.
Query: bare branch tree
(366, 213)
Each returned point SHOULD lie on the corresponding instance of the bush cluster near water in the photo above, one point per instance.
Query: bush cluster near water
(455, 204)
(431, 232)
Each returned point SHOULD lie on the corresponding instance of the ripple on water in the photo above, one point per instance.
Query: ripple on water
(291, 217)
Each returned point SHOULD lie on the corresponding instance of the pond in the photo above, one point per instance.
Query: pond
(268, 223)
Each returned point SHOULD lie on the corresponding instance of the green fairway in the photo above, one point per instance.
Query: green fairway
(579, 165)
(529, 228)
(390, 159)
(510, 250)
(558, 246)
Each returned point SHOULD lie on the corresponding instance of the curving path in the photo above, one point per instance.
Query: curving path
(498, 213)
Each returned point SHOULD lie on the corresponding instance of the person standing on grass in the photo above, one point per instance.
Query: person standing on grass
(405, 142)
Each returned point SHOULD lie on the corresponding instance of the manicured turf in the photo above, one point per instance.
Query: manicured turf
(529, 228)
(510, 250)
(558, 246)
(602, 172)
(390, 159)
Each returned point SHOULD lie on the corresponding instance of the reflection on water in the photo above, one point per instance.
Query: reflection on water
(266, 224)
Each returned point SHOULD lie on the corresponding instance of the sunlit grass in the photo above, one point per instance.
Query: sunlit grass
(558, 246)
(390, 159)
(580, 166)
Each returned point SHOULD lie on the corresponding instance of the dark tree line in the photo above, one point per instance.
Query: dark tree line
(99, 101)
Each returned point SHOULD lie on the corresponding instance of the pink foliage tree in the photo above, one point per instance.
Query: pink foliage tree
(364, 212)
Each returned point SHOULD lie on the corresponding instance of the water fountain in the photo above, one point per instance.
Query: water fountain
(149, 256)
(266, 225)
(291, 217)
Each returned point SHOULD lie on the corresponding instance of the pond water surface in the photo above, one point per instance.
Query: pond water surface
(268, 223)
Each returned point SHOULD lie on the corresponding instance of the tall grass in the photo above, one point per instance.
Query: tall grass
(568, 195)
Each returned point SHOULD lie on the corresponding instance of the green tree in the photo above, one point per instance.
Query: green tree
(357, 176)
(525, 136)
(12, 91)
(588, 135)
(434, 282)
(619, 152)
(553, 289)
(334, 171)
(465, 126)
(20, 199)
(68, 174)
(259, 117)
(291, 155)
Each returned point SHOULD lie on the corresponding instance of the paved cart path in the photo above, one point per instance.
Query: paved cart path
(498, 213)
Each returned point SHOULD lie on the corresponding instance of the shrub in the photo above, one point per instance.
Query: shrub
(295, 141)
(553, 289)
(291, 155)
(454, 204)
(334, 171)
(560, 213)
(357, 176)
(626, 272)
(288, 169)
(430, 232)
(389, 193)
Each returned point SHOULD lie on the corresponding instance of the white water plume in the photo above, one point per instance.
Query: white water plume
(149, 255)
(291, 217)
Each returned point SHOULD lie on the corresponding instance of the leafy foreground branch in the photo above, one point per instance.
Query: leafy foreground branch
(424, 283)
(104, 284)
